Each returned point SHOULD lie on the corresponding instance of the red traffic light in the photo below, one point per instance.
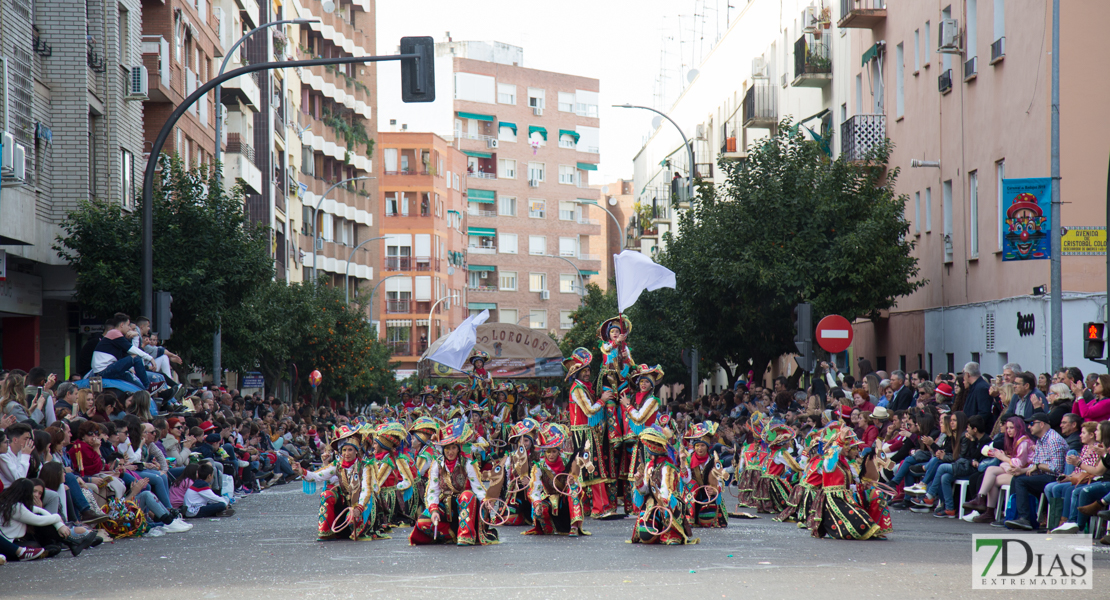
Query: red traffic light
(1095, 331)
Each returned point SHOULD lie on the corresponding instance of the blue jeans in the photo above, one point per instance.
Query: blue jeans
(930, 471)
(150, 503)
(283, 467)
(1089, 493)
(73, 491)
(942, 484)
(990, 462)
(121, 369)
(159, 483)
(210, 509)
(175, 473)
(1069, 468)
(1060, 490)
(903, 471)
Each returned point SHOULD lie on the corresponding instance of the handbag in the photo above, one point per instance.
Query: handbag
(921, 456)
(1079, 477)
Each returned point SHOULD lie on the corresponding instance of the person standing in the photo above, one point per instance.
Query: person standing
(587, 426)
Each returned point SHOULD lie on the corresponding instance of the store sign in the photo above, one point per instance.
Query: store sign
(21, 294)
(1083, 241)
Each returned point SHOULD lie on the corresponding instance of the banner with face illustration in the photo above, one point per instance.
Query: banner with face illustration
(1027, 211)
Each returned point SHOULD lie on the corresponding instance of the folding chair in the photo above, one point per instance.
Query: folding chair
(1000, 510)
(961, 496)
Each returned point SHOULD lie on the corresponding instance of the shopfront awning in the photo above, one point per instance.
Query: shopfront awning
(587, 166)
(483, 196)
(482, 305)
(480, 117)
(477, 154)
(509, 125)
(537, 129)
(480, 268)
(573, 134)
(485, 231)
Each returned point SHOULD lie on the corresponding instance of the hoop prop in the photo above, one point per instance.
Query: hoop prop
(660, 514)
(518, 484)
(563, 489)
(885, 490)
(494, 512)
(706, 494)
(342, 520)
(497, 443)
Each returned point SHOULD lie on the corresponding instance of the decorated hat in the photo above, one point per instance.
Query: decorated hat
(526, 426)
(655, 440)
(619, 321)
(778, 434)
(757, 422)
(425, 428)
(405, 391)
(342, 435)
(455, 431)
(700, 431)
(429, 390)
(550, 392)
(578, 360)
(476, 354)
(390, 434)
(552, 435)
(1024, 201)
(655, 373)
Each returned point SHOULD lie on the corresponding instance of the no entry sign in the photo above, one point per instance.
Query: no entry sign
(834, 334)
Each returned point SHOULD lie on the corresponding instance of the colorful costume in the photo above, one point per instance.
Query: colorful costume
(518, 484)
(587, 425)
(702, 476)
(555, 490)
(836, 511)
(800, 504)
(772, 490)
(748, 464)
(348, 498)
(481, 383)
(660, 494)
(393, 479)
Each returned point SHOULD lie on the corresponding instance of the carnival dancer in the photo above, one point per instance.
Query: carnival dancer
(772, 490)
(659, 493)
(556, 491)
(393, 479)
(639, 410)
(800, 504)
(518, 480)
(346, 505)
(454, 495)
(617, 365)
(406, 398)
(748, 464)
(587, 425)
(702, 475)
(501, 411)
(427, 398)
(481, 383)
(836, 512)
(869, 495)
(421, 452)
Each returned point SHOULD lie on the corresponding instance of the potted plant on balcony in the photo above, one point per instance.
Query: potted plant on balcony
(280, 43)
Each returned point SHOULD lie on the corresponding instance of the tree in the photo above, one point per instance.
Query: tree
(787, 226)
(206, 254)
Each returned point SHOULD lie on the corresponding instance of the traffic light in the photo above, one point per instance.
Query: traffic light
(162, 315)
(418, 79)
(1093, 342)
(803, 335)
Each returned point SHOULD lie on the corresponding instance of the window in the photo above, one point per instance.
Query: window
(900, 81)
(506, 243)
(1000, 174)
(506, 207)
(566, 141)
(973, 206)
(456, 182)
(946, 214)
(537, 319)
(946, 58)
(928, 210)
(999, 19)
(859, 94)
(506, 168)
(535, 98)
(928, 56)
(566, 102)
(972, 30)
(565, 320)
(585, 103)
(916, 51)
(568, 246)
(507, 315)
(566, 174)
(537, 244)
(506, 93)
(917, 212)
(506, 281)
(535, 171)
(567, 210)
(506, 134)
(568, 283)
(124, 36)
(537, 282)
(127, 178)
(537, 209)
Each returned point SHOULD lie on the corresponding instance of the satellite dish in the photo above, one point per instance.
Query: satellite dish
(450, 270)
(604, 189)
(612, 201)
(656, 122)
(691, 75)
(328, 6)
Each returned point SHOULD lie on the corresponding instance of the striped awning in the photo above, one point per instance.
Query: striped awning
(480, 117)
(476, 195)
(480, 268)
(482, 305)
(399, 323)
(477, 154)
(481, 231)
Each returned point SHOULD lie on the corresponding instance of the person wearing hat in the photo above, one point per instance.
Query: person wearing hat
(772, 489)
(588, 425)
(454, 494)
(406, 398)
(348, 497)
(501, 414)
(640, 408)
(749, 468)
(557, 505)
(481, 383)
(523, 438)
(701, 469)
(836, 512)
(393, 480)
(663, 517)
(616, 359)
(799, 507)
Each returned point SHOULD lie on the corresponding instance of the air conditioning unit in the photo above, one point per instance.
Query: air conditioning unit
(809, 19)
(491, 143)
(699, 132)
(949, 36)
(533, 183)
(137, 84)
(545, 295)
(759, 68)
(536, 110)
(14, 166)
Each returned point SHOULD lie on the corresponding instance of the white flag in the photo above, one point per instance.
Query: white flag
(454, 350)
(636, 273)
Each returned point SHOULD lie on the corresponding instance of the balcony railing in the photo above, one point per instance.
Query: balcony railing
(400, 348)
(759, 106)
(812, 63)
(427, 264)
(971, 67)
(589, 257)
(482, 288)
(862, 14)
(398, 263)
(860, 135)
(703, 170)
(236, 145)
(944, 82)
(398, 307)
(482, 249)
(998, 50)
(481, 175)
(588, 221)
(482, 212)
(409, 172)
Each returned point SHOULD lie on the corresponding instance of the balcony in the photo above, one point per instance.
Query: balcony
(409, 172)
(400, 348)
(398, 307)
(481, 175)
(860, 135)
(425, 263)
(944, 82)
(998, 50)
(241, 89)
(812, 63)
(861, 14)
(759, 106)
(481, 212)
(703, 170)
(482, 249)
(239, 164)
(398, 263)
(971, 68)
(588, 221)
(589, 257)
(279, 125)
(482, 288)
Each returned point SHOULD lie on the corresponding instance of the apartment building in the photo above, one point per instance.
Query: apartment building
(618, 200)
(423, 219)
(965, 85)
(531, 138)
(70, 135)
(336, 129)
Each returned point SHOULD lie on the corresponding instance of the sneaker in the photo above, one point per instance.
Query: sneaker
(156, 532)
(31, 553)
(945, 514)
(1067, 528)
(1019, 524)
(917, 508)
(178, 526)
(917, 488)
(999, 523)
(245, 490)
(971, 516)
(926, 502)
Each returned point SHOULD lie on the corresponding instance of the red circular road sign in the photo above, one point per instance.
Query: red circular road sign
(834, 334)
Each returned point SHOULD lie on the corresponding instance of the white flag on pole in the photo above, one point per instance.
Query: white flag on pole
(454, 351)
(636, 273)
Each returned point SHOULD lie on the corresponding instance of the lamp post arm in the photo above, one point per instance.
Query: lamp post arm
(315, 217)
(685, 142)
(611, 215)
(375, 288)
(347, 275)
(581, 283)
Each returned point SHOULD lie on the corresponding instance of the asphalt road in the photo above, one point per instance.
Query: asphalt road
(268, 551)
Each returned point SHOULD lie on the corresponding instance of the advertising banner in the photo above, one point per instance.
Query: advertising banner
(515, 353)
(1027, 207)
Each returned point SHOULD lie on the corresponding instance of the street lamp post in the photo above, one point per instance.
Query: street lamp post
(375, 288)
(611, 215)
(447, 297)
(316, 214)
(581, 283)
(685, 142)
(347, 276)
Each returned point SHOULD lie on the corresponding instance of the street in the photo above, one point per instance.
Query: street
(268, 550)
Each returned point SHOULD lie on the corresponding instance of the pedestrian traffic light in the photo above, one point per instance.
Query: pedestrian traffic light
(803, 335)
(163, 314)
(1094, 344)
(418, 82)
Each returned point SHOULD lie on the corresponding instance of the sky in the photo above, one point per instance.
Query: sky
(619, 42)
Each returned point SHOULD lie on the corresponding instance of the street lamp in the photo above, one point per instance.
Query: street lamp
(375, 288)
(685, 142)
(581, 283)
(227, 57)
(316, 214)
(615, 220)
(347, 276)
(447, 297)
